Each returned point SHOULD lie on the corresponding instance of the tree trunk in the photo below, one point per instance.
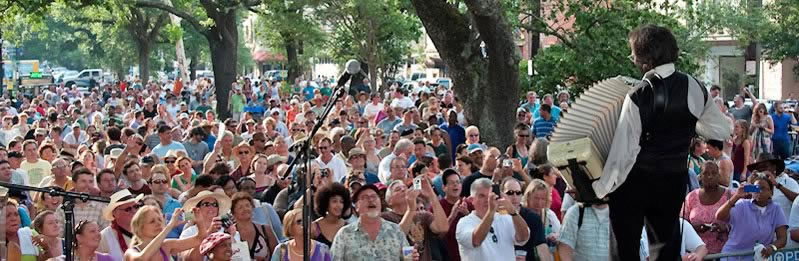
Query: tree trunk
(144, 50)
(193, 68)
(291, 57)
(488, 86)
(223, 43)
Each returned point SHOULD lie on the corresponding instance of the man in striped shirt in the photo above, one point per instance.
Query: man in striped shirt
(543, 126)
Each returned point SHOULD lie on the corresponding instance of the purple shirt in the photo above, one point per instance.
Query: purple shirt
(749, 225)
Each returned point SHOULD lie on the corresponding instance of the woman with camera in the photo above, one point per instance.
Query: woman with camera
(754, 221)
(260, 238)
(701, 206)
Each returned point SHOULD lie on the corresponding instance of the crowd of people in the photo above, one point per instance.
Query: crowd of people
(399, 175)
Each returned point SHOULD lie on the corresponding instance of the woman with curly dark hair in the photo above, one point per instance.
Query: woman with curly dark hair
(333, 205)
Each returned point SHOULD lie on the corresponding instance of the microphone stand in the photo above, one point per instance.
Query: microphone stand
(68, 207)
(305, 180)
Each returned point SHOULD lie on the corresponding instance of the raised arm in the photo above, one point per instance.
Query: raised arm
(440, 224)
(481, 231)
(723, 213)
(155, 245)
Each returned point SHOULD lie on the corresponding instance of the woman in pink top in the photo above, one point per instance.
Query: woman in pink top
(701, 206)
(550, 175)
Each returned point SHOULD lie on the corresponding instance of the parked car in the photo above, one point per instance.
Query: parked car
(85, 78)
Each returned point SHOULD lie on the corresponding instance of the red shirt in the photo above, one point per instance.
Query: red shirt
(556, 204)
(449, 239)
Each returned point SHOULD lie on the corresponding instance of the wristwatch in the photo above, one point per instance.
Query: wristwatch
(514, 214)
(773, 247)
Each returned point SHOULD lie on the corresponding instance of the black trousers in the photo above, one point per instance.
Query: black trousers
(655, 196)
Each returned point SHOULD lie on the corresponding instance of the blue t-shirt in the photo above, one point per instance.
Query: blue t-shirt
(161, 150)
(781, 124)
(256, 109)
(308, 93)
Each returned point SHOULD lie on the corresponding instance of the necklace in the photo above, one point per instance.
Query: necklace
(294, 252)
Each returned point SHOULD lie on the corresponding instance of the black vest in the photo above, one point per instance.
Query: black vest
(669, 126)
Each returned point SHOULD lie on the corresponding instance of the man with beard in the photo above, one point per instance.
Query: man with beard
(370, 237)
(645, 173)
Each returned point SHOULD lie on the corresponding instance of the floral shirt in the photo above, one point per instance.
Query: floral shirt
(353, 243)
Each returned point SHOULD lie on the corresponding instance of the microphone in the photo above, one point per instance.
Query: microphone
(352, 67)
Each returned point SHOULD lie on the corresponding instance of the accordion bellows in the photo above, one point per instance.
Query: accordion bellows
(585, 133)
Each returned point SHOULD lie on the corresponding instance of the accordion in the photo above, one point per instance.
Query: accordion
(581, 140)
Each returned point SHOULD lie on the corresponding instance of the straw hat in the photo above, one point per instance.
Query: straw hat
(221, 198)
(119, 198)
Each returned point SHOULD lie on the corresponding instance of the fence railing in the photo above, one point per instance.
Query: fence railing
(785, 254)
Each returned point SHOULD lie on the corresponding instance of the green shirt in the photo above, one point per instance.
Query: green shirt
(180, 176)
(203, 108)
(237, 103)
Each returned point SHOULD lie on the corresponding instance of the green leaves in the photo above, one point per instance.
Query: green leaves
(596, 48)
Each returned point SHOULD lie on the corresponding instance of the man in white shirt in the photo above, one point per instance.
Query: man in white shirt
(327, 160)
(374, 107)
(74, 139)
(486, 234)
(401, 100)
(404, 147)
(645, 173)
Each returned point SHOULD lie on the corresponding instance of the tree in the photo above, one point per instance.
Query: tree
(595, 46)
(291, 26)
(474, 38)
(217, 21)
(772, 26)
(378, 33)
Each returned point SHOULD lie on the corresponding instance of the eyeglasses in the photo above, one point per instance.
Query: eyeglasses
(514, 192)
(162, 181)
(208, 204)
(493, 235)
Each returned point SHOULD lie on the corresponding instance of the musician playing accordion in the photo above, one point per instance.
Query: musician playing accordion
(645, 175)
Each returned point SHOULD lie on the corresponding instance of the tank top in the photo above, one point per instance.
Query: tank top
(321, 237)
(737, 158)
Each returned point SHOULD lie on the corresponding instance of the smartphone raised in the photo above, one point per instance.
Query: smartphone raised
(417, 183)
(751, 188)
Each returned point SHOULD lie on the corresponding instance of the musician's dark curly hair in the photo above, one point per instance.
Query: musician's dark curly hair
(326, 193)
(653, 46)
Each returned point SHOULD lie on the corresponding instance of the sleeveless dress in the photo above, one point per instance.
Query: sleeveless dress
(737, 161)
(761, 141)
(697, 213)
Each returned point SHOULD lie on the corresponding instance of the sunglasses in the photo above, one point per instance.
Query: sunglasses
(162, 181)
(208, 204)
(514, 192)
(133, 208)
(323, 148)
(474, 135)
(493, 235)
(244, 152)
(169, 161)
